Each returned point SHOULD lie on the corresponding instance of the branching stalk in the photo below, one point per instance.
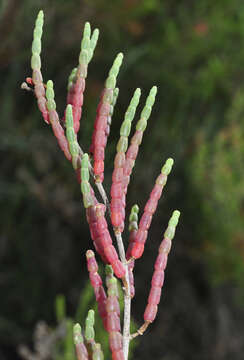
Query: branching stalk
(127, 298)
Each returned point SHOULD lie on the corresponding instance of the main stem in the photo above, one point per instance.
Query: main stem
(127, 298)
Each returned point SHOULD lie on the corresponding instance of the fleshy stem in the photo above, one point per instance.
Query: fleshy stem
(99, 136)
(117, 199)
(81, 350)
(77, 78)
(131, 153)
(39, 89)
(77, 152)
(158, 275)
(37, 79)
(54, 121)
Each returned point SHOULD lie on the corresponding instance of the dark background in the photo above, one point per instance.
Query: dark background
(194, 52)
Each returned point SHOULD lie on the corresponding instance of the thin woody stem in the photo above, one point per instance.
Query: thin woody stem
(103, 194)
(127, 298)
(141, 330)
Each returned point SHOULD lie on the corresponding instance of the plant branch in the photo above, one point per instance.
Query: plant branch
(141, 330)
(127, 298)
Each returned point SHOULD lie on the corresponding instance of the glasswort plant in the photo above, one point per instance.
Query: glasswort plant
(119, 264)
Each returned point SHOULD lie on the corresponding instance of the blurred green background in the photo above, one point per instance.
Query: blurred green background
(194, 52)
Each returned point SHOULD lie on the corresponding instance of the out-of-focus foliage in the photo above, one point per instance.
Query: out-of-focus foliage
(57, 343)
(193, 51)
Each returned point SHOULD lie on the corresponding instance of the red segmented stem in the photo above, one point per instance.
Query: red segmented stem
(99, 136)
(130, 159)
(149, 210)
(39, 91)
(116, 205)
(80, 347)
(102, 114)
(108, 248)
(117, 194)
(114, 330)
(136, 140)
(98, 288)
(54, 121)
(77, 86)
(157, 281)
(91, 214)
(102, 239)
(133, 227)
(59, 133)
(75, 95)
(81, 351)
(159, 268)
(37, 80)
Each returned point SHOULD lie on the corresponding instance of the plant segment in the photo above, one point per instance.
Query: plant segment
(149, 210)
(158, 275)
(133, 227)
(54, 120)
(120, 263)
(87, 348)
(37, 79)
(117, 204)
(113, 313)
(103, 119)
(76, 81)
(136, 140)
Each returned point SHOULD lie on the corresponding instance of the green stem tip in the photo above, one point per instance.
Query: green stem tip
(89, 328)
(78, 338)
(166, 169)
(174, 218)
(109, 270)
(113, 73)
(51, 105)
(170, 231)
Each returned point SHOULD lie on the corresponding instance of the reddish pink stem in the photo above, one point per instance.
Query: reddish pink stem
(100, 133)
(76, 95)
(98, 288)
(102, 239)
(157, 281)
(145, 222)
(40, 93)
(59, 133)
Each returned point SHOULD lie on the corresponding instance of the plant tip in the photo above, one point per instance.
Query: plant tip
(135, 208)
(50, 83)
(176, 213)
(77, 328)
(154, 90)
(69, 108)
(91, 314)
(109, 270)
(89, 254)
(167, 166)
(85, 156)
